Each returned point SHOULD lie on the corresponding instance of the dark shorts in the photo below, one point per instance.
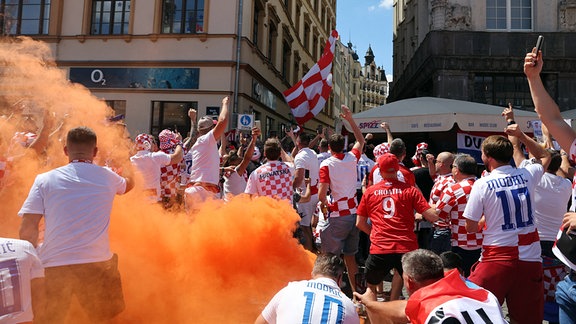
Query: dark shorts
(379, 265)
(97, 286)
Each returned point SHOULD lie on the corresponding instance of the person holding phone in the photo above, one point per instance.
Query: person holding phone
(549, 113)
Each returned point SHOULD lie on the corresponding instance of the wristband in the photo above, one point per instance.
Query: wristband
(511, 122)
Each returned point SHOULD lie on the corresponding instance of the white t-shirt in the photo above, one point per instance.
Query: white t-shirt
(19, 264)
(322, 156)
(205, 160)
(306, 159)
(550, 203)
(311, 301)
(149, 164)
(497, 197)
(234, 184)
(76, 200)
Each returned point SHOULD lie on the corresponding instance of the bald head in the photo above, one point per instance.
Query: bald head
(444, 163)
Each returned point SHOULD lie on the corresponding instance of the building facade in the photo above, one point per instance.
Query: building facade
(346, 77)
(474, 50)
(374, 82)
(153, 60)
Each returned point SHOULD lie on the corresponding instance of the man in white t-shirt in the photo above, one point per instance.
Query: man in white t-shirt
(149, 161)
(307, 166)
(510, 265)
(22, 282)
(75, 201)
(319, 300)
(338, 173)
(205, 172)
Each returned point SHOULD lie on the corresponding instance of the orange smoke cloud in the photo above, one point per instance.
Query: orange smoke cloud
(220, 265)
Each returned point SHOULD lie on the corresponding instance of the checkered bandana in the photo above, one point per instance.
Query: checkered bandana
(144, 142)
(419, 149)
(168, 139)
(380, 149)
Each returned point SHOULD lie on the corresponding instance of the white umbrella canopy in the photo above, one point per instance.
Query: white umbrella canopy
(430, 114)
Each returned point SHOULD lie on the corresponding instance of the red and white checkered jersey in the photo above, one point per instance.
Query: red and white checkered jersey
(554, 271)
(339, 171)
(451, 206)
(440, 184)
(273, 179)
(504, 198)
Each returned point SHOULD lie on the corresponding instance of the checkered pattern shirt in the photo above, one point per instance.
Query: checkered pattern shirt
(451, 206)
(343, 207)
(554, 271)
(273, 179)
(169, 177)
(440, 184)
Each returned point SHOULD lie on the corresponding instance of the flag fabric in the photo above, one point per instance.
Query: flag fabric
(307, 97)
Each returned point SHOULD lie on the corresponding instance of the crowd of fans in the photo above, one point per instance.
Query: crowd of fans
(369, 211)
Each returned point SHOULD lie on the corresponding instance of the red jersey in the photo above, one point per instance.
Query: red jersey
(390, 206)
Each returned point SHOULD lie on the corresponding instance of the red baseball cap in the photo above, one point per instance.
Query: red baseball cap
(388, 163)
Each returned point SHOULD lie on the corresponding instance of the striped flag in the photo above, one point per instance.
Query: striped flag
(309, 95)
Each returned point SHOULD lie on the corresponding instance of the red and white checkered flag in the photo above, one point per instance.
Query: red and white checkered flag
(309, 95)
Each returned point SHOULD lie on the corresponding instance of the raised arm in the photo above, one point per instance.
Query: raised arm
(517, 155)
(192, 114)
(386, 127)
(547, 109)
(347, 114)
(534, 148)
(241, 168)
(220, 127)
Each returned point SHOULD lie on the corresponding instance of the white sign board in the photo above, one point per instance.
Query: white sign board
(245, 122)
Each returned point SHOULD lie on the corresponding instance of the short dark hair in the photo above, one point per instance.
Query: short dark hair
(555, 161)
(336, 143)
(329, 265)
(323, 144)
(304, 139)
(422, 265)
(466, 164)
(272, 149)
(397, 147)
(498, 147)
(81, 135)
(451, 260)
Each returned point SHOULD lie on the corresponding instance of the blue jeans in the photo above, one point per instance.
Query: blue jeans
(566, 298)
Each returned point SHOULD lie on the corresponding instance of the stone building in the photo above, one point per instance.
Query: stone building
(374, 82)
(153, 60)
(473, 50)
(346, 70)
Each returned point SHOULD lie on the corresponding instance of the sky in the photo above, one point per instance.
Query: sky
(364, 23)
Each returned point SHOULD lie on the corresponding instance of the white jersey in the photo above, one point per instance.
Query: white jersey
(550, 203)
(505, 198)
(322, 156)
(76, 200)
(205, 160)
(19, 264)
(149, 164)
(234, 184)
(363, 169)
(306, 159)
(311, 301)
(186, 168)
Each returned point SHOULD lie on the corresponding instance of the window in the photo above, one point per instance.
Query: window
(296, 70)
(257, 25)
(272, 35)
(286, 51)
(315, 47)
(306, 38)
(24, 17)
(170, 115)
(499, 90)
(110, 17)
(119, 106)
(509, 14)
(182, 16)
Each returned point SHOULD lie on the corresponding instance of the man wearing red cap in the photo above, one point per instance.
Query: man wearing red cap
(390, 205)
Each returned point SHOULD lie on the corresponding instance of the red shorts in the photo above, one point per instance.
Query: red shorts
(517, 282)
